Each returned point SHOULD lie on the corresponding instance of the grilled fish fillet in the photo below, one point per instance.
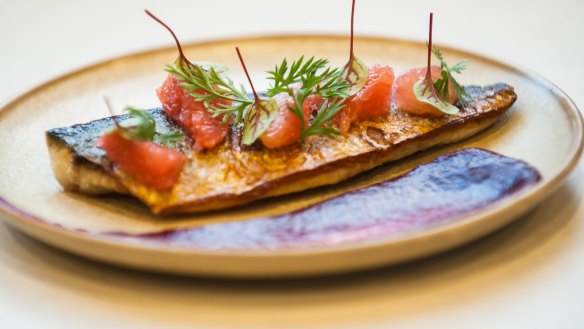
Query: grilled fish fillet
(232, 174)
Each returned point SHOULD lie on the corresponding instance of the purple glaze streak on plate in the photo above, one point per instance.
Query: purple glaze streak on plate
(437, 192)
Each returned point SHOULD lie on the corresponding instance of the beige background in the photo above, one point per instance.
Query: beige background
(529, 275)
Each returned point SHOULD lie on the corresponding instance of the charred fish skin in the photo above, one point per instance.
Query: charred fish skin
(82, 138)
(230, 175)
(79, 165)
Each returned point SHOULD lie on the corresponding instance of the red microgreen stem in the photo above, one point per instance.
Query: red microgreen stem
(180, 51)
(110, 109)
(349, 67)
(352, 54)
(257, 100)
(247, 75)
(428, 72)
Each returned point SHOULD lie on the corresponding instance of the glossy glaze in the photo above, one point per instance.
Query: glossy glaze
(437, 192)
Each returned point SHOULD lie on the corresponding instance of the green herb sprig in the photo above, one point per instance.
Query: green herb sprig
(207, 84)
(142, 126)
(442, 84)
(284, 76)
(435, 94)
(325, 113)
(311, 77)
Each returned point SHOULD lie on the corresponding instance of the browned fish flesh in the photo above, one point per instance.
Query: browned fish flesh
(232, 174)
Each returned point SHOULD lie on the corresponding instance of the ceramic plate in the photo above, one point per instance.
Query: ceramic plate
(543, 128)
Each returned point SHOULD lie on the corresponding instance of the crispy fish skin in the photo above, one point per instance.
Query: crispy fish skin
(80, 166)
(230, 174)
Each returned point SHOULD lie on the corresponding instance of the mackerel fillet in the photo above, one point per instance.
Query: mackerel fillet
(233, 174)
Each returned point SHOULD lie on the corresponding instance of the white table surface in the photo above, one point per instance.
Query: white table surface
(529, 275)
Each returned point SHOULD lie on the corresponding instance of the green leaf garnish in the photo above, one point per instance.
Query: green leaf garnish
(140, 125)
(259, 115)
(441, 84)
(208, 85)
(425, 92)
(356, 73)
(258, 118)
(310, 77)
(301, 71)
(169, 140)
(434, 93)
(325, 113)
(206, 82)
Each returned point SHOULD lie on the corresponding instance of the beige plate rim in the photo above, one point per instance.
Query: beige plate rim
(500, 214)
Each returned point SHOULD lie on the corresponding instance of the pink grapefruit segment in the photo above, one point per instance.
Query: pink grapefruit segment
(191, 115)
(372, 100)
(405, 99)
(148, 163)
